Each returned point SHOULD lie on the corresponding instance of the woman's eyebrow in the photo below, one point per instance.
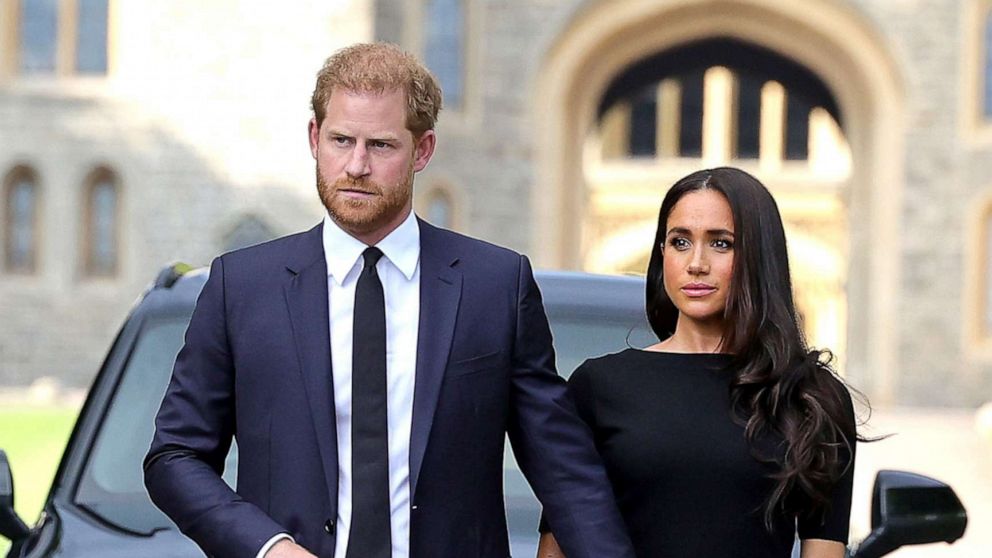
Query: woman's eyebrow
(713, 232)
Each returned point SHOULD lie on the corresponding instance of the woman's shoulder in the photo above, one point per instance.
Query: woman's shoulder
(633, 361)
(607, 362)
(602, 367)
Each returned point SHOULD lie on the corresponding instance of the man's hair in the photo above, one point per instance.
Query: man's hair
(378, 68)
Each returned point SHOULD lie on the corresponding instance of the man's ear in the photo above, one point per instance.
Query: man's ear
(313, 131)
(424, 150)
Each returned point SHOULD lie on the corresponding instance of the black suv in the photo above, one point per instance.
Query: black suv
(98, 506)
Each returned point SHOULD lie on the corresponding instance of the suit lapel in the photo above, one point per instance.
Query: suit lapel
(440, 293)
(307, 299)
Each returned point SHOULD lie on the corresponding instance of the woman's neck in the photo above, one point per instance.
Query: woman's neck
(693, 337)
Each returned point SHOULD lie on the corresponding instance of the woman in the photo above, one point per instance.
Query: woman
(730, 437)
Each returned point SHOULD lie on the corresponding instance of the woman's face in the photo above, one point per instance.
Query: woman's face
(699, 256)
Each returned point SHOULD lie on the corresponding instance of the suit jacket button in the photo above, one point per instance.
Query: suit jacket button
(329, 527)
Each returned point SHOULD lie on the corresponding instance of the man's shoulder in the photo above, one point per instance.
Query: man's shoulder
(464, 245)
(297, 248)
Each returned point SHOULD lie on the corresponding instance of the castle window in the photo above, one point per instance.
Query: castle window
(643, 123)
(38, 32)
(440, 209)
(748, 116)
(796, 128)
(444, 47)
(91, 37)
(691, 115)
(20, 221)
(57, 37)
(101, 224)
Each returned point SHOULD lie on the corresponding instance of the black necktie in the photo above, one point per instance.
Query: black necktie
(370, 534)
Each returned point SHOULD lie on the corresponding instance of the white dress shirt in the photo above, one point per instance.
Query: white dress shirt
(399, 271)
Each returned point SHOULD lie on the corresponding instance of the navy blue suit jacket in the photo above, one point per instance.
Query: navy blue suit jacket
(256, 366)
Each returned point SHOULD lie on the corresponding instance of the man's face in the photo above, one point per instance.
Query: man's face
(366, 158)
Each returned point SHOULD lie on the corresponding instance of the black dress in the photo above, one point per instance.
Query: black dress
(683, 474)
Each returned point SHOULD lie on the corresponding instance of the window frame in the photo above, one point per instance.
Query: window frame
(445, 188)
(101, 174)
(466, 118)
(975, 126)
(977, 294)
(66, 43)
(12, 178)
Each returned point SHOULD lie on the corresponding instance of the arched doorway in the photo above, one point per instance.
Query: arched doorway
(719, 101)
(830, 42)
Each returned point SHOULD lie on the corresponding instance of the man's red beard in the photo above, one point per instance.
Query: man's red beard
(364, 215)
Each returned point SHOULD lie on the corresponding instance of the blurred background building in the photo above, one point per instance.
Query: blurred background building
(138, 132)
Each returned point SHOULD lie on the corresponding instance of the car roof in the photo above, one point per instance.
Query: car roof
(177, 288)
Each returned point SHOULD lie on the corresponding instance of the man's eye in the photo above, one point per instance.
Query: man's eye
(380, 144)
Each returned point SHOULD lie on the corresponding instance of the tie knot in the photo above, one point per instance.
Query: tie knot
(371, 255)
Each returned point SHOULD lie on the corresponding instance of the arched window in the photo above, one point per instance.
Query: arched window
(249, 231)
(20, 221)
(440, 209)
(101, 234)
(444, 47)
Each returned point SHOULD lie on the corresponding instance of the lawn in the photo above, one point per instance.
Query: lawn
(33, 438)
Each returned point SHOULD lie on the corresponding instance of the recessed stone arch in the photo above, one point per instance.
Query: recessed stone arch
(829, 38)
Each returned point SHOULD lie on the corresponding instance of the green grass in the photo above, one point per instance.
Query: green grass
(33, 438)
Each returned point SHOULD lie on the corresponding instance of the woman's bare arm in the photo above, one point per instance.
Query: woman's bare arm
(548, 547)
(821, 548)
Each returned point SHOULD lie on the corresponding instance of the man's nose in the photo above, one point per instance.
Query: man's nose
(358, 163)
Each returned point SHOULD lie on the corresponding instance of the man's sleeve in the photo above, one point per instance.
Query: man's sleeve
(553, 447)
(193, 432)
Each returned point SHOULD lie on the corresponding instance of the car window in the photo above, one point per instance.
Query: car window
(112, 484)
(581, 336)
(577, 336)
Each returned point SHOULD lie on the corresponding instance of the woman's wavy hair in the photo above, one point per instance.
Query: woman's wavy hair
(781, 386)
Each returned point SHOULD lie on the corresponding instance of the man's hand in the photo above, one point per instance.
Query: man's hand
(288, 549)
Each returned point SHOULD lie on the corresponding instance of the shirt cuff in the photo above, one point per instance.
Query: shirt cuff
(268, 545)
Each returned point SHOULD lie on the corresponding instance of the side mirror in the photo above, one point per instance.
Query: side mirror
(911, 509)
(11, 526)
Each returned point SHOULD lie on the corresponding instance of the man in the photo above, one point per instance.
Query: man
(370, 367)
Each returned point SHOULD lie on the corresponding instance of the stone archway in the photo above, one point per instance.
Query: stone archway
(828, 38)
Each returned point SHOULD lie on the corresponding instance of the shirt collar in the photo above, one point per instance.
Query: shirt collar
(401, 247)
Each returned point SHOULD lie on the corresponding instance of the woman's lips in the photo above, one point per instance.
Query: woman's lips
(697, 290)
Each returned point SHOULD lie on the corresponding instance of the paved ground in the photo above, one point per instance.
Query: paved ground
(948, 445)
(952, 445)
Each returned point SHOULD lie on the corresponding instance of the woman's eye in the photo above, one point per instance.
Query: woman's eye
(722, 244)
(679, 243)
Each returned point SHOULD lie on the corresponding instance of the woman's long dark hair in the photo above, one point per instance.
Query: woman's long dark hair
(780, 385)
